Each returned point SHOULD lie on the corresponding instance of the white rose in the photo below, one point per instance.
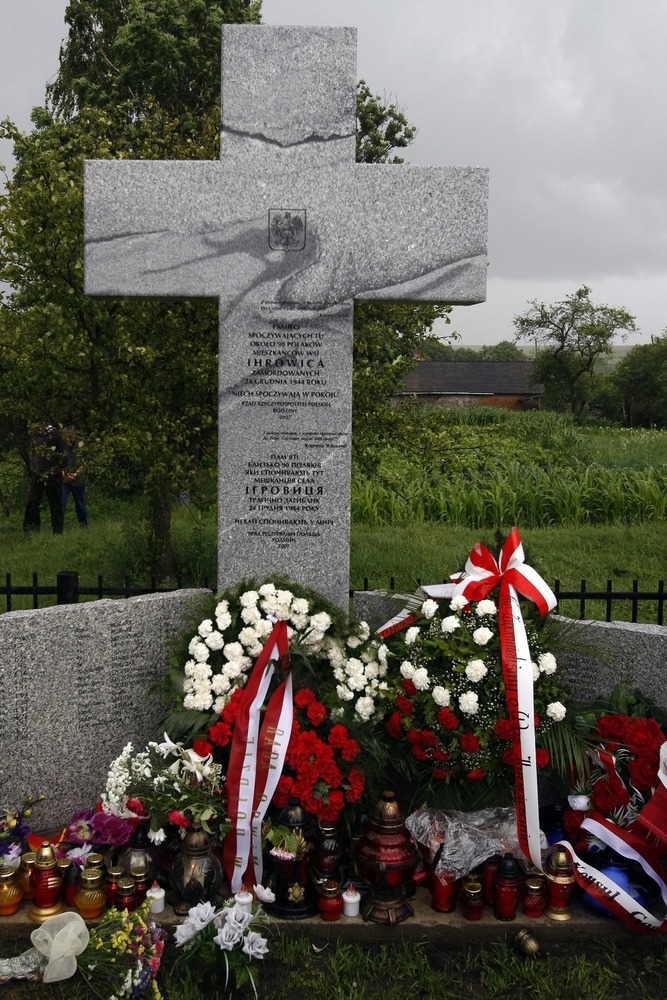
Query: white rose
(450, 624)
(458, 603)
(482, 635)
(227, 937)
(429, 608)
(556, 711)
(411, 635)
(486, 608)
(440, 696)
(255, 946)
(420, 679)
(407, 670)
(249, 599)
(264, 895)
(469, 703)
(205, 628)
(476, 670)
(214, 640)
(344, 692)
(547, 663)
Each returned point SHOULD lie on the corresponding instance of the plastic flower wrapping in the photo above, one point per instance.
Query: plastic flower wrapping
(447, 710)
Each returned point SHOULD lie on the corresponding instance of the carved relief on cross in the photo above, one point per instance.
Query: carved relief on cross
(286, 230)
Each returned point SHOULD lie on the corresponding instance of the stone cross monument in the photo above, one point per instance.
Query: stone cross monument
(286, 231)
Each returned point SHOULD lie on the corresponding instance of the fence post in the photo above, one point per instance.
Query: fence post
(582, 602)
(68, 587)
(9, 591)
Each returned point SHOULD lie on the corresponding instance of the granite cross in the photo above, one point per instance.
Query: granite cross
(286, 230)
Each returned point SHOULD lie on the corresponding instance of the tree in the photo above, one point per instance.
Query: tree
(573, 334)
(641, 380)
(504, 350)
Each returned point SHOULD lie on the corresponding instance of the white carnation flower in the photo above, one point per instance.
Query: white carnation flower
(205, 628)
(248, 636)
(382, 654)
(450, 624)
(364, 630)
(556, 711)
(263, 628)
(469, 703)
(188, 685)
(223, 621)
(194, 642)
(267, 589)
(300, 606)
(353, 641)
(202, 671)
(321, 621)
(354, 666)
(298, 621)
(284, 596)
(335, 653)
(281, 612)
(420, 679)
(249, 599)
(219, 704)
(485, 608)
(214, 640)
(232, 669)
(220, 684)
(476, 670)
(344, 692)
(429, 608)
(547, 663)
(356, 682)
(339, 674)
(255, 650)
(367, 656)
(364, 708)
(407, 670)
(441, 696)
(411, 635)
(536, 671)
(222, 608)
(482, 635)
(190, 668)
(372, 669)
(201, 652)
(458, 603)
(251, 616)
(233, 651)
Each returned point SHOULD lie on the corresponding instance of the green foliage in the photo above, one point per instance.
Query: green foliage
(381, 127)
(573, 334)
(641, 381)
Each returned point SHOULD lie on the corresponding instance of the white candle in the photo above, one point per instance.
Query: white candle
(244, 899)
(351, 900)
(156, 896)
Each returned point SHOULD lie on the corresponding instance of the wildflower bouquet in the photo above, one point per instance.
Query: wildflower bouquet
(448, 709)
(123, 955)
(188, 790)
(14, 828)
(226, 935)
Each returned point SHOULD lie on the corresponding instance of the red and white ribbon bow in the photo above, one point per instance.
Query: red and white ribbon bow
(482, 574)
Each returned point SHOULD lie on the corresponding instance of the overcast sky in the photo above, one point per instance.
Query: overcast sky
(563, 101)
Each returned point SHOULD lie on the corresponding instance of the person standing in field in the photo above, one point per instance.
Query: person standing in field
(46, 465)
(74, 474)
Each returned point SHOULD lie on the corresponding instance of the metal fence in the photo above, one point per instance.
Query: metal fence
(68, 590)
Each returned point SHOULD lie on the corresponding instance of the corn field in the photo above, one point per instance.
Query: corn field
(527, 496)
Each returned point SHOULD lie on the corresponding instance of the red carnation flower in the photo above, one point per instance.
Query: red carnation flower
(414, 736)
(338, 735)
(419, 753)
(477, 775)
(350, 750)
(409, 687)
(608, 799)
(231, 709)
(428, 738)
(316, 712)
(178, 818)
(503, 728)
(220, 734)
(644, 771)
(572, 820)
(406, 707)
(447, 719)
(394, 725)
(329, 810)
(508, 756)
(202, 747)
(303, 697)
(330, 772)
(356, 780)
(439, 773)
(541, 757)
(536, 719)
(283, 791)
(643, 734)
(469, 743)
(440, 755)
(135, 806)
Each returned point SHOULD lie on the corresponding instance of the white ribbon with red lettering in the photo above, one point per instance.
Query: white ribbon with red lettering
(482, 574)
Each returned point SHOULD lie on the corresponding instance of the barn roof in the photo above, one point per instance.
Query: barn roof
(502, 378)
